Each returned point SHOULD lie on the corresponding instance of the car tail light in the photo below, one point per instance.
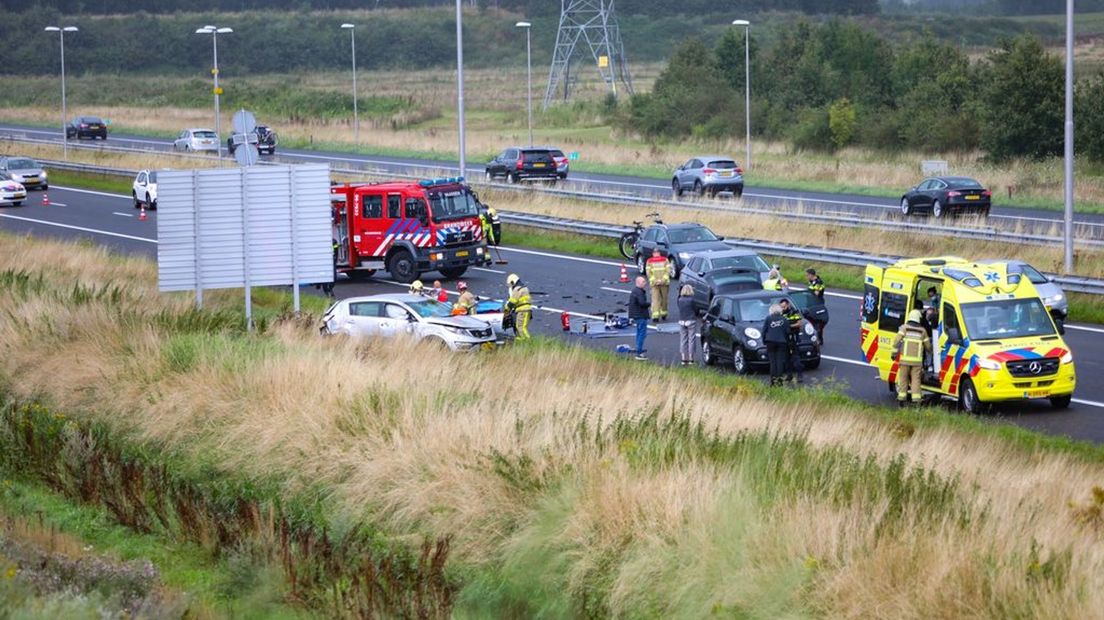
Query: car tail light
(987, 193)
(520, 161)
(563, 162)
(739, 170)
(84, 125)
(708, 171)
(952, 194)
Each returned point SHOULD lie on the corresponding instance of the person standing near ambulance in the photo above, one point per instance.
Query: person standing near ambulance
(910, 346)
(658, 270)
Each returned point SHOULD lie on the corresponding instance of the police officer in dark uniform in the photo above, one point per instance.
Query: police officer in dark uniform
(776, 330)
(328, 287)
(793, 357)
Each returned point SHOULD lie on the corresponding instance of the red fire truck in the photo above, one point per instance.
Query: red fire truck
(407, 228)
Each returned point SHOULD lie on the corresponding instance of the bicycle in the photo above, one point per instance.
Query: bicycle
(627, 243)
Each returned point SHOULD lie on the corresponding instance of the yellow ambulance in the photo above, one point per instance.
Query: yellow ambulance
(992, 337)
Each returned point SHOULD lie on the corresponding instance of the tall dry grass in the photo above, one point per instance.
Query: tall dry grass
(570, 485)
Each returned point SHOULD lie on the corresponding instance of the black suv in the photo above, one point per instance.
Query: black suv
(517, 163)
(266, 141)
(678, 242)
(732, 332)
(86, 127)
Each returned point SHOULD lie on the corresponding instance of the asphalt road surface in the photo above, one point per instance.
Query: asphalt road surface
(587, 286)
(1026, 219)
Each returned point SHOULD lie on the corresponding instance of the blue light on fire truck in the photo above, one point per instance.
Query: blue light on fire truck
(441, 181)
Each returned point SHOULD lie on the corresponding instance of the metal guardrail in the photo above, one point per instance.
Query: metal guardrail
(841, 221)
(597, 229)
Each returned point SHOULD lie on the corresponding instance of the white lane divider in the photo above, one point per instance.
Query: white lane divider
(488, 270)
(614, 290)
(122, 214)
(80, 228)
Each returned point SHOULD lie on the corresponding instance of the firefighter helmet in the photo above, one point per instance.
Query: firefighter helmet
(914, 316)
(416, 286)
(512, 279)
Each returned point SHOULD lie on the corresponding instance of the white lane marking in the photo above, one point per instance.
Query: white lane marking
(90, 191)
(1085, 329)
(842, 295)
(580, 259)
(614, 290)
(80, 228)
(122, 214)
(487, 270)
(56, 204)
(1091, 403)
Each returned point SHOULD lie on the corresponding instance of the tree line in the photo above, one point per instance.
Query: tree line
(829, 85)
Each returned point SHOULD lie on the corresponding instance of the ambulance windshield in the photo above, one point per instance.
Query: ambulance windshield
(1008, 318)
(453, 205)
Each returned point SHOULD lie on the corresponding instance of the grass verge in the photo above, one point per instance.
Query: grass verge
(595, 487)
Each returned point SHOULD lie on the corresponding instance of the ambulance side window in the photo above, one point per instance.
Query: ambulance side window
(373, 206)
(394, 206)
(894, 311)
(950, 324)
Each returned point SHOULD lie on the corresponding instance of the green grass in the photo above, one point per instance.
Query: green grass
(215, 582)
(100, 182)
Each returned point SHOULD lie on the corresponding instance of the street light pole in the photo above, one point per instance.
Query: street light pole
(529, 73)
(747, 87)
(215, 32)
(1069, 140)
(460, 81)
(356, 116)
(64, 112)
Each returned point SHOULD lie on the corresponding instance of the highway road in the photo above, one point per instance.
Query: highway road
(588, 286)
(1024, 219)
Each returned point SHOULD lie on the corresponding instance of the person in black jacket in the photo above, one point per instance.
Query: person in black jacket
(640, 311)
(776, 335)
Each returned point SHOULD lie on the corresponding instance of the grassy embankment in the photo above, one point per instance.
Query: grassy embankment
(594, 487)
(1089, 263)
(404, 114)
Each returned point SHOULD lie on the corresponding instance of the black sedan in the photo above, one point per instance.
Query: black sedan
(942, 196)
(731, 332)
(678, 242)
(722, 281)
(86, 127)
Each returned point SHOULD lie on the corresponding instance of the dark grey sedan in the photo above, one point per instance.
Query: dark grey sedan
(678, 242)
(942, 196)
(727, 271)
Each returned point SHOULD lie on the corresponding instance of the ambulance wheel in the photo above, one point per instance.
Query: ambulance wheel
(453, 273)
(968, 398)
(1061, 402)
(402, 267)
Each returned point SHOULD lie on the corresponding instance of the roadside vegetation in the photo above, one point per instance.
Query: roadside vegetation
(594, 487)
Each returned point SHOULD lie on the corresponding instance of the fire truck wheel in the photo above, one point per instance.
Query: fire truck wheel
(454, 273)
(402, 267)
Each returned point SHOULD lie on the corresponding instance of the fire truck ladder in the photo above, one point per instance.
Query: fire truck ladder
(595, 22)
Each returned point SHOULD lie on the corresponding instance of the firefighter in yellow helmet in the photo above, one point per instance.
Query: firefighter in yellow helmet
(519, 305)
(417, 288)
(658, 270)
(909, 347)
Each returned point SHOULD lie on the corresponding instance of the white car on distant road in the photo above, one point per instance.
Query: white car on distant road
(197, 139)
(12, 194)
(419, 317)
(144, 189)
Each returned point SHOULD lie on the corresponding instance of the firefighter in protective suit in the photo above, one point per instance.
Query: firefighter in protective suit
(910, 345)
(519, 306)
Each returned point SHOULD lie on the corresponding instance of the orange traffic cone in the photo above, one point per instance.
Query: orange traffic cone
(45, 199)
(142, 214)
(565, 320)
(624, 274)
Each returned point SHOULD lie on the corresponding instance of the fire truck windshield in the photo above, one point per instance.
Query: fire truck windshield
(453, 205)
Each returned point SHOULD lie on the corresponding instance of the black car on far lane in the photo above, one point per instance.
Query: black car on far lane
(732, 332)
(678, 242)
(942, 196)
(86, 127)
(517, 164)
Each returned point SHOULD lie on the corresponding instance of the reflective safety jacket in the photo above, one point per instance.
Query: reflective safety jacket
(816, 287)
(519, 300)
(466, 304)
(658, 271)
(910, 344)
(488, 230)
(776, 284)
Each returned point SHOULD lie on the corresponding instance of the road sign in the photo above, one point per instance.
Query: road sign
(246, 154)
(243, 121)
(573, 155)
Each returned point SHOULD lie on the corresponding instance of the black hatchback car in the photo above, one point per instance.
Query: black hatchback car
(678, 242)
(732, 332)
(266, 140)
(517, 164)
(86, 127)
(942, 196)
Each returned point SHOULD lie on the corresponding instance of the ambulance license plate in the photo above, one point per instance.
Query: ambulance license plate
(462, 253)
(1037, 393)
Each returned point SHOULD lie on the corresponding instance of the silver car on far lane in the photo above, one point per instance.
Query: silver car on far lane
(708, 174)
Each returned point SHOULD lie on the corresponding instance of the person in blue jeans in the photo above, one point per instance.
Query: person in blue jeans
(640, 312)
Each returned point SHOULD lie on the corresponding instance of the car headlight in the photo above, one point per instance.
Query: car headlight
(1068, 357)
(42, 175)
(684, 255)
(988, 364)
(456, 330)
(809, 329)
(1053, 299)
(751, 332)
(753, 343)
